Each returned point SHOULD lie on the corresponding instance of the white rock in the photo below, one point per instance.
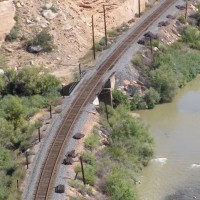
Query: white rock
(44, 25)
(31, 62)
(37, 19)
(18, 5)
(155, 49)
(2, 71)
(28, 21)
(48, 14)
(48, 6)
(67, 27)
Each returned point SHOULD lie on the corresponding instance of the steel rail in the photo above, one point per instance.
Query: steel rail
(88, 91)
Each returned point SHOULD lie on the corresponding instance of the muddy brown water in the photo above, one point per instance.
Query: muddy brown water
(174, 172)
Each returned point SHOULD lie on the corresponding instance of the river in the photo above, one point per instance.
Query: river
(174, 172)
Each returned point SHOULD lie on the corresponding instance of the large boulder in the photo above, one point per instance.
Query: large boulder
(34, 49)
(49, 15)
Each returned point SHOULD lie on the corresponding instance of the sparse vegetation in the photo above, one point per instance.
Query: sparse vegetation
(13, 35)
(92, 141)
(182, 19)
(43, 39)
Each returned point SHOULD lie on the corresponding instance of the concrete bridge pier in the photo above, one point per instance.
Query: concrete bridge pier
(106, 93)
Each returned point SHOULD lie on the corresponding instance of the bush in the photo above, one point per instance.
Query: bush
(119, 98)
(165, 83)
(182, 19)
(89, 158)
(32, 81)
(137, 60)
(43, 39)
(92, 141)
(190, 34)
(89, 174)
(151, 97)
(83, 189)
(13, 35)
(118, 188)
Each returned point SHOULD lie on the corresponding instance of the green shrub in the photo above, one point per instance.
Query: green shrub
(141, 105)
(137, 60)
(33, 81)
(182, 19)
(89, 158)
(119, 188)
(6, 160)
(165, 83)
(54, 9)
(83, 189)
(190, 34)
(92, 141)
(43, 39)
(90, 177)
(151, 97)
(119, 98)
(74, 183)
(13, 35)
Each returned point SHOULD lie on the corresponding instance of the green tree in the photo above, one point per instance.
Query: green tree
(6, 132)
(151, 97)
(165, 83)
(13, 110)
(119, 98)
(6, 159)
(2, 85)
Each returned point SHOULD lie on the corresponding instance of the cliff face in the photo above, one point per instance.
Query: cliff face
(7, 13)
(71, 28)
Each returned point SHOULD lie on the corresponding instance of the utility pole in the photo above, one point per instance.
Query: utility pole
(139, 9)
(63, 91)
(50, 111)
(82, 169)
(150, 38)
(39, 134)
(186, 10)
(80, 73)
(26, 159)
(93, 38)
(105, 28)
(106, 110)
(17, 185)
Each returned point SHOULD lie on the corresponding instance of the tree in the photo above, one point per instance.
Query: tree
(2, 84)
(151, 97)
(5, 159)
(165, 83)
(119, 98)
(13, 110)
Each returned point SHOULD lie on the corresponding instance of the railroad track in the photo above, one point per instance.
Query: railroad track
(87, 93)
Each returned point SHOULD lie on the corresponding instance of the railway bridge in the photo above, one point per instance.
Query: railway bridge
(88, 90)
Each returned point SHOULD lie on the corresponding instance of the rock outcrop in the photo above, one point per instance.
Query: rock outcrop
(7, 13)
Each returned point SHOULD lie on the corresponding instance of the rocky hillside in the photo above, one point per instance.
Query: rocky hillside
(69, 21)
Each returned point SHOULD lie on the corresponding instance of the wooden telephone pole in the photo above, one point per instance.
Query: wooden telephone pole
(93, 38)
(105, 28)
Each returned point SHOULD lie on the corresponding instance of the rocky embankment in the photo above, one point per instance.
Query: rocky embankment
(69, 22)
